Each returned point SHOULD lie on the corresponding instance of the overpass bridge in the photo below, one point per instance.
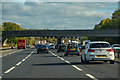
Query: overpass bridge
(61, 33)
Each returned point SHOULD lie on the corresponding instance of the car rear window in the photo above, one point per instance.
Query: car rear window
(116, 46)
(72, 46)
(42, 46)
(99, 45)
(62, 46)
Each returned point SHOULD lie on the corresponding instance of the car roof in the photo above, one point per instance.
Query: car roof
(99, 42)
(61, 44)
(116, 44)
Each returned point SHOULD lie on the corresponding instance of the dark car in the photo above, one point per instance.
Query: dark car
(72, 49)
(42, 48)
(28, 45)
(61, 48)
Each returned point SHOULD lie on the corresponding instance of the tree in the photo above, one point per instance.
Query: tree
(9, 26)
(113, 23)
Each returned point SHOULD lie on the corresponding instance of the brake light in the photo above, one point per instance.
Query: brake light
(90, 50)
(47, 48)
(77, 48)
(67, 49)
(109, 50)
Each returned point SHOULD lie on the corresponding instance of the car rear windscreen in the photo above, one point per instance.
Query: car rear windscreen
(116, 46)
(99, 45)
(72, 46)
(42, 46)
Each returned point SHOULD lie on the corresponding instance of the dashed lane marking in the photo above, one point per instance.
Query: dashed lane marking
(92, 77)
(18, 63)
(74, 66)
(77, 68)
(9, 70)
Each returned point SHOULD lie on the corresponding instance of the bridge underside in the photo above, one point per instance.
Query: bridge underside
(61, 33)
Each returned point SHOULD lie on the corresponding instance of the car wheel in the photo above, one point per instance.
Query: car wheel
(57, 51)
(47, 52)
(66, 54)
(82, 60)
(85, 60)
(105, 61)
(78, 54)
(111, 62)
(37, 52)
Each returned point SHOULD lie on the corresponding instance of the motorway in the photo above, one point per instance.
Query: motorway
(27, 64)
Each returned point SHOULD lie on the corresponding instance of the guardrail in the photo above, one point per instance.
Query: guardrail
(7, 48)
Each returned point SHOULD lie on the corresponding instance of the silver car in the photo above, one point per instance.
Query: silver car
(97, 51)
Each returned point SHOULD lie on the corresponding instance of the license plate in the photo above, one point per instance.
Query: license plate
(72, 49)
(101, 56)
(62, 48)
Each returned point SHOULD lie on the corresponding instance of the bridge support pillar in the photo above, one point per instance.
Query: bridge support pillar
(59, 40)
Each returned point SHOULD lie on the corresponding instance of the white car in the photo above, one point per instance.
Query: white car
(28, 45)
(116, 49)
(116, 46)
(97, 51)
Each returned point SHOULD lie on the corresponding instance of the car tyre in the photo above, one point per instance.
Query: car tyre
(37, 52)
(82, 60)
(105, 61)
(78, 54)
(57, 51)
(86, 61)
(111, 62)
(65, 54)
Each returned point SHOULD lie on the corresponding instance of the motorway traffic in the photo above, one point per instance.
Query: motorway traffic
(26, 63)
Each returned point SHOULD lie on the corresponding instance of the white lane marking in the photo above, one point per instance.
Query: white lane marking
(62, 59)
(17, 64)
(67, 62)
(77, 68)
(58, 57)
(74, 66)
(23, 60)
(89, 75)
(9, 70)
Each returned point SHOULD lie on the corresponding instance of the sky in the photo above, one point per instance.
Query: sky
(56, 15)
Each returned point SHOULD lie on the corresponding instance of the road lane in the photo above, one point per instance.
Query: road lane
(44, 66)
(97, 69)
(58, 66)
(10, 60)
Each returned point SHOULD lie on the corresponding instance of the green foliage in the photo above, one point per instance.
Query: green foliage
(113, 23)
(8, 26)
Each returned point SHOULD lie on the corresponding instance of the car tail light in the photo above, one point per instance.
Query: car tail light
(47, 48)
(90, 50)
(67, 49)
(77, 48)
(109, 50)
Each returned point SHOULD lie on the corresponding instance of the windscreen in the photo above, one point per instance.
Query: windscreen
(42, 46)
(72, 46)
(99, 45)
(116, 46)
(62, 46)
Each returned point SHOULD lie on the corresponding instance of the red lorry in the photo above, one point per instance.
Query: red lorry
(21, 43)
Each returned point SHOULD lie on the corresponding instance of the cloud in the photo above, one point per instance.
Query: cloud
(71, 15)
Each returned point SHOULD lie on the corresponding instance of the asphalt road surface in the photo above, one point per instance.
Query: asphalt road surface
(27, 64)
